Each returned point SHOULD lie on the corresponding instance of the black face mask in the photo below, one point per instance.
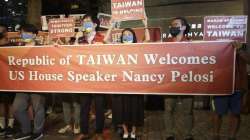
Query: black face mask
(174, 31)
(1, 35)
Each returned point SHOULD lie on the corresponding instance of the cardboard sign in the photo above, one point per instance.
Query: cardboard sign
(45, 20)
(64, 27)
(123, 10)
(104, 20)
(225, 28)
(176, 68)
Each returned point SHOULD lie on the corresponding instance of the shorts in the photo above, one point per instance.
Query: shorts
(222, 104)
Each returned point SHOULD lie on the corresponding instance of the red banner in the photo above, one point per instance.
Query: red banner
(225, 28)
(61, 27)
(123, 10)
(187, 68)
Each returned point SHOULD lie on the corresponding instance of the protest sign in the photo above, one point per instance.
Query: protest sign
(123, 10)
(225, 28)
(63, 27)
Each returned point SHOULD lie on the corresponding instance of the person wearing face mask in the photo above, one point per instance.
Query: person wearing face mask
(127, 37)
(22, 101)
(28, 34)
(131, 107)
(6, 99)
(179, 29)
(128, 110)
(27, 38)
(90, 35)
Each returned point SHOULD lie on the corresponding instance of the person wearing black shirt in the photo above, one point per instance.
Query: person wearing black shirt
(6, 99)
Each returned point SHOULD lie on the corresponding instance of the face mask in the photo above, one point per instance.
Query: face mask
(128, 39)
(88, 27)
(174, 31)
(27, 37)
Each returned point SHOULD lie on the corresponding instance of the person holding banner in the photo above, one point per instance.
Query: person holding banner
(23, 100)
(222, 104)
(69, 100)
(6, 99)
(89, 35)
(179, 29)
(128, 110)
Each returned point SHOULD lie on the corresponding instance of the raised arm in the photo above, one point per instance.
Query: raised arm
(77, 36)
(147, 35)
(108, 33)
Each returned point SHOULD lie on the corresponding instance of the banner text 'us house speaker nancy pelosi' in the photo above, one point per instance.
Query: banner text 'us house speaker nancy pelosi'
(186, 68)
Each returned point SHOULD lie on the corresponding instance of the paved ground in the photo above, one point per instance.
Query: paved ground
(154, 127)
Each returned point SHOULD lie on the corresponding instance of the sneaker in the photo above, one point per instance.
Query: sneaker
(76, 129)
(36, 136)
(49, 110)
(110, 116)
(125, 136)
(2, 131)
(22, 136)
(133, 136)
(65, 129)
(109, 111)
(170, 138)
(9, 132)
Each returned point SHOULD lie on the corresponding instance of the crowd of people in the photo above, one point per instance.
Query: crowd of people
(127, 110)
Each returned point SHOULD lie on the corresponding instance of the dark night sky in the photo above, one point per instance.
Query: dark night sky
(52, 7)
